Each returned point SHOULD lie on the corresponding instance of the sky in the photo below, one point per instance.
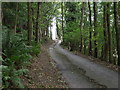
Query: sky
(53, 29)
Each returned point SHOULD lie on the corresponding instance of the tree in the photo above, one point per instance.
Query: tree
(37, 23)
(109, 33)
(90, 32)
(16, 16)
(32, 17)
(105, 51)
(81, 25)
(29, 23)
(117, 28)
(62, 20)
(95, 28)
(70, 24)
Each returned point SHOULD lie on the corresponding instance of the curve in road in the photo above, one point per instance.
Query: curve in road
(80, 72)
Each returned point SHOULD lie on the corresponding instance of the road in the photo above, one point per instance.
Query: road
(80, 72)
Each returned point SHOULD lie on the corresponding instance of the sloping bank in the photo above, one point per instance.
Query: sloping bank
(43, 72)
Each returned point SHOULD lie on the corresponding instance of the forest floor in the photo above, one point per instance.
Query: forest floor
(43, 72)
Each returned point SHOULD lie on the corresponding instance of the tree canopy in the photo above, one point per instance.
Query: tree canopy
(91, 28)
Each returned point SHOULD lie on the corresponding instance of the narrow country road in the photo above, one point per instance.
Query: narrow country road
(80, 72)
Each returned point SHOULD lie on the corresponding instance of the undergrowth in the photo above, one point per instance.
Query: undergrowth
(16, 54)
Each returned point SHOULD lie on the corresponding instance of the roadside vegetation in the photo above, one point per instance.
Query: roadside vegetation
(24, 30)
(91, 28)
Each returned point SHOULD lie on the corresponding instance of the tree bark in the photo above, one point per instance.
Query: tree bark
(37, 23)
(29, 23)
(105, 50)
(32, 17)
(47, 31)
(117, 28)
(16, 16)
(90, 30)
(95, 25)
(81, 26)
(62, 21)
(109, 33)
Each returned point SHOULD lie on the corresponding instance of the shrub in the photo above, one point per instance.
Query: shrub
(16, 57)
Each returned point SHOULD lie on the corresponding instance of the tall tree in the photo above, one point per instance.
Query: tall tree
(105, 51)
(62, 20)
(32, 16)
(95, 28)
(81, 25)
(29, 23)
(37, 23)
(90, 30)
(16, 16)
(117, 28)
(109, 33)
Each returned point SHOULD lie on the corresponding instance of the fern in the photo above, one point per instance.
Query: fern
(17, 56)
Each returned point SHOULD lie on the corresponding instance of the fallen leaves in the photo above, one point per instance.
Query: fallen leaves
(43, 72)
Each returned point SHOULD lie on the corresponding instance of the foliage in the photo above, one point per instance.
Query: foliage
(19, 32)
(90, 38)
(74, 35)
(17, 49)
(16, 58)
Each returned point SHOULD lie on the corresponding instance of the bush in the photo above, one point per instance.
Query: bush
(16, 57)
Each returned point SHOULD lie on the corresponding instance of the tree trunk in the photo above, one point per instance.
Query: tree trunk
(37, 23)
(16, 17)
(62, 21)
(117, 28)
(47, 31)
(29, 23)
(32, 17)
(109, 34)
(90, 31)
(105, 50)
(58, 31)
(95, 25)
(81, 26)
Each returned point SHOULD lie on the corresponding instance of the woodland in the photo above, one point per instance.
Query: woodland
(91, 28)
